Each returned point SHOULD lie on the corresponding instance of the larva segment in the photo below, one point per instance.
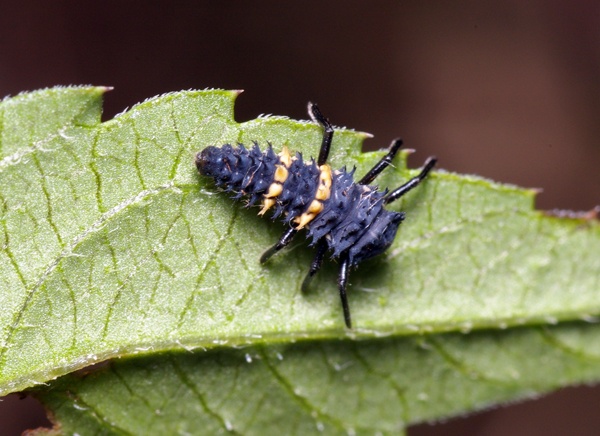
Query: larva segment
(279, 178)
(322, 194)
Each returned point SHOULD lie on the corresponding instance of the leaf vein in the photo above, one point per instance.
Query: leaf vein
(288, 388)
(68, 251)
(210, 262)
(180, 373)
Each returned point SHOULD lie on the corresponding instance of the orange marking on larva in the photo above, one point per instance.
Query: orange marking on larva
(268, 203)
(274, 190)
(313, 210)
(303, 220)
(315, 207)
(285, 157)
(281, 174)
(324, 189)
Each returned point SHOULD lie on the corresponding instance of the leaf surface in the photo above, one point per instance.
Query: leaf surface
(112, 245)
(333, 387)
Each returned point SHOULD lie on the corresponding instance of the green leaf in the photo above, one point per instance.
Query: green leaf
(337, 387)
(111, 245)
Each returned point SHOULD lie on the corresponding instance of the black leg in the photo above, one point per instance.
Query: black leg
(399, 192)
(318, 117)
(316, 263)
(382, 164)
(285, 239)
(342, 283)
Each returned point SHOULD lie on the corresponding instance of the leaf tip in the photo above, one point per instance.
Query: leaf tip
(104, 89)
(364, 135)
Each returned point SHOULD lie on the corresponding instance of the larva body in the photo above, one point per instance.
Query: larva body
(330, 204)
(339, 214)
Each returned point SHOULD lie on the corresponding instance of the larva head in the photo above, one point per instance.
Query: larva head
(210, 162)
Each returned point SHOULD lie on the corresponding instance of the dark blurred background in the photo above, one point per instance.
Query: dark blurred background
(508, 90)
